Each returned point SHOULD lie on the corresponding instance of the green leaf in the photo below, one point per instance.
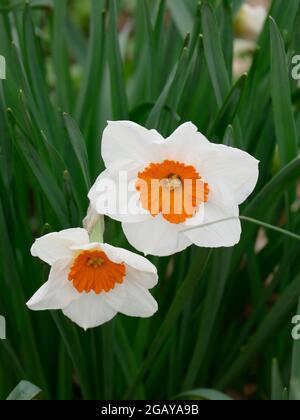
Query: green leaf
(79, 147)
(60, 56)
(276, 383)
(295, 368)
(150, 49)
(274, 190)
(212, 302)
(214, 54)
(278, 315)
(74, 348)
(94, 68)
(24, 391)
(228, 111)
(193, 277)
(45, 179)
(175, 77)
(284, 121)
(181, 15)
(2, 328)
(203, 394)
(118, 90)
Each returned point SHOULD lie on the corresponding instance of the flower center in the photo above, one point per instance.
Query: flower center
(172, 189)
(173, 181)
(93, 271)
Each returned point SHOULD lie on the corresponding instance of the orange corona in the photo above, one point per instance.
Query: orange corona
(173, 189)
(93, 271)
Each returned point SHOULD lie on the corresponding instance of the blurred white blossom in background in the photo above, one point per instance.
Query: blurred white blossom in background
(248, 25)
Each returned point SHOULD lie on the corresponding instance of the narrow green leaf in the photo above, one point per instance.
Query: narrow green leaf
(214, 54)
(228, 111)
(150, 49)
(118, 90)
(181, 15)
(176, 74)
(108, 360)
(228, 139)
(203, 394)
(94, 67)
(213, 299)
(295, 368)
(74, 348)
(79, 147)
(276, 382)
(45, 179)
(284, 121)
(35, 74)
(60, 56)
(227, 31)
(2, 328)
(274, 190)
(278, 315)
(195, 273)
(24, 391)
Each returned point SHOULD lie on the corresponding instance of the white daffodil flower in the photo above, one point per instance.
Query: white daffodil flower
(249, 21)
(92, 282)
(204, 183)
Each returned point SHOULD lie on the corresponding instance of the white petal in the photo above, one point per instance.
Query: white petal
(56, 245)
(198, 217)
(156, 236)
(57, 292)
(114, 194)
(186, 145)
(87, 247)
(90, 310)
(129, 258)
(116, 297)
(232, 168)
(138, 302)
(138, 268)
(220, 234)
(145, 279)
(125, 141)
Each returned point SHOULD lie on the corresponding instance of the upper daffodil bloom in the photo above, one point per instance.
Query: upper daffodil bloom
(249, 21)
(205, 183)
(92, 282)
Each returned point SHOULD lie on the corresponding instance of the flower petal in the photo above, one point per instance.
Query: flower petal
(156, 236)
(56, 245)
(57, 292)
(114, 194)
(145, 279)
(138, 268)
(232, 168)
(90, 310)
(185, 145)
(220, 234)
(129, 258)
(138, 302)
(125, 141)
(116, 296)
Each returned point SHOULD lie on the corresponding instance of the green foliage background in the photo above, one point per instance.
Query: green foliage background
(224, 319)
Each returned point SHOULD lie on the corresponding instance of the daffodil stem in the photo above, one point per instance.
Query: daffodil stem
(197, 269)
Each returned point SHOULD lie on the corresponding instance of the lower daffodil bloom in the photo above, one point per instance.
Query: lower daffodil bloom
(92, 282)
(219, 178)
